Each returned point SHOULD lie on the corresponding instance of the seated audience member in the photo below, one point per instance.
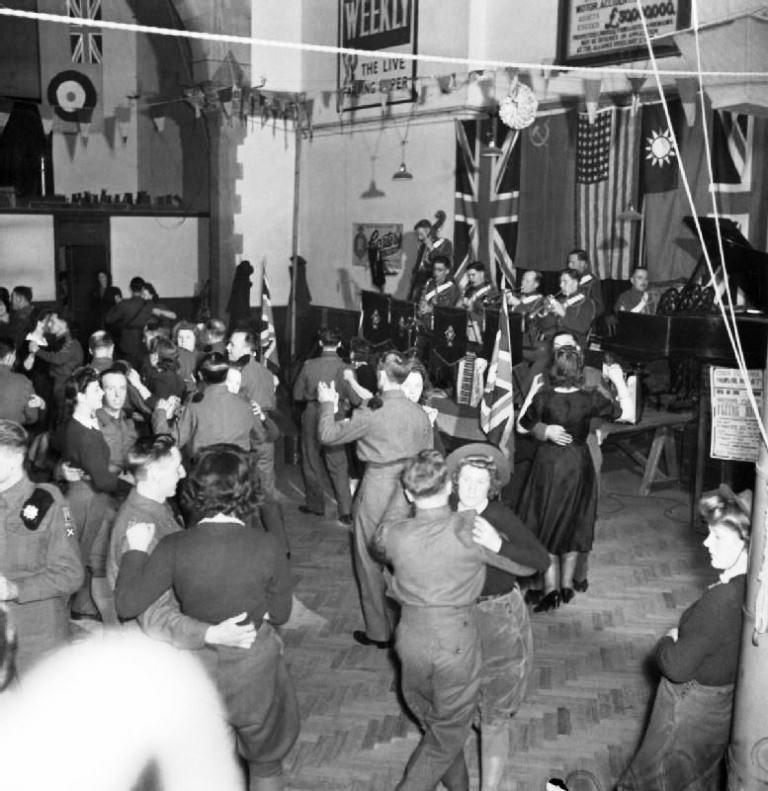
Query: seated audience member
(40, 565)
(63, 355)
(155, 462)
(219, 568)
(117, 428)
(166, 721)
(479, 471)
(685, 742)
(93, 498)
(22, 318)
(636, 299)
(440, 288)
(126, 321)
(18, 401)
(438, 571)
(589, 283)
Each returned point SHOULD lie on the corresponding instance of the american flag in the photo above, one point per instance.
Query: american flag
(487, 198)
(606, 184)
(85, 42)
(497, 408)
(268, 334)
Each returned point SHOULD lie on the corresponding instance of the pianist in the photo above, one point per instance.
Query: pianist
(636, 299)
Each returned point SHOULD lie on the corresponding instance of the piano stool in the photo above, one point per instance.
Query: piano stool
(663, 426)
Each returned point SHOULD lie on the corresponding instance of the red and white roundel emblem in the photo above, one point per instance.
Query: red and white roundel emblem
(69, 92)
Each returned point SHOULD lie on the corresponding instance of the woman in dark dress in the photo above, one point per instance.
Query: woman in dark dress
(560, 498)
(222, 565)
(684, 745)
(105, 296)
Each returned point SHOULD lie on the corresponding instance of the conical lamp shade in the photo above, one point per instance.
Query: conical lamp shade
(373, 191)
(402, 174)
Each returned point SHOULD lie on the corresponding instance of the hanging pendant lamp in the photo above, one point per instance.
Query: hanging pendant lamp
(402, 173)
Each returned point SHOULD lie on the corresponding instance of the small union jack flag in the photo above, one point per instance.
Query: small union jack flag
(487, 198)
(85, 42)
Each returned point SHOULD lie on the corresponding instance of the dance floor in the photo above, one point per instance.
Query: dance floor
(591, 682)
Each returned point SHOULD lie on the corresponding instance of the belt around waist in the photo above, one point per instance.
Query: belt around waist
(494, 596)
(380, 465)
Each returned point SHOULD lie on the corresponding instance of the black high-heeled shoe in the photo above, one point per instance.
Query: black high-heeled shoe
(550, 602)
(533, 596)
(567, 594)
(581, 585)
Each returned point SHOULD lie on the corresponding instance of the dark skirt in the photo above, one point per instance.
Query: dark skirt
(559, 501)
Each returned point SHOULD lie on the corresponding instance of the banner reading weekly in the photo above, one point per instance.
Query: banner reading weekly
(388, 25)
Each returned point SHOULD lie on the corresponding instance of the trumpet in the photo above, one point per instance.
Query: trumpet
(546, 306)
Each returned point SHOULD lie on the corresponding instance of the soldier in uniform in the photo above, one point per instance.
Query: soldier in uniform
(18, 401)
(477, 295)
(636, 299)
(329, 367)
(572, 311)
(387, 437)
(40, 566)
(589, 284)
(440, 288)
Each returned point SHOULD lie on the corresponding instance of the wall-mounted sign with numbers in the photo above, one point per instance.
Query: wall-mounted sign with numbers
(611, 31)
(735, 430)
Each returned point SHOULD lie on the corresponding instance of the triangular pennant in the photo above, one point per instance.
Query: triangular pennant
(688, 89)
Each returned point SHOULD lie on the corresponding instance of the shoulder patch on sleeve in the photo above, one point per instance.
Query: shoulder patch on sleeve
(35, 508)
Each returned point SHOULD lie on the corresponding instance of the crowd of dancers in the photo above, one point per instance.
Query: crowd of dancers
(171, 425)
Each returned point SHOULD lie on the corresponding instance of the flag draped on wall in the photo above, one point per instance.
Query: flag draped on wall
(487, 196)
(660, 168)
(85, 42)
(547, 222)
(606, 186)
(496, 408)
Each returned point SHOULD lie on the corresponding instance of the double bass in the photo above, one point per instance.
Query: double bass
(431, 246)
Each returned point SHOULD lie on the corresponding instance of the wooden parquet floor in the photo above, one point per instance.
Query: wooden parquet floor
(590, 686)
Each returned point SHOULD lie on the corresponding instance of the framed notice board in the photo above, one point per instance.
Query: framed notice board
(611, 31)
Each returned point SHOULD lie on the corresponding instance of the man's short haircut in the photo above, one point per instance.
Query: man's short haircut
(213, 368)
(116, 369)
(441, 259)
(136, 284)
(25, 292)
(422, 224)
(7, 346)
(329, 336)
(395, 366)
(426, 474)
(216, 329)
(13, 435)
(249, 339)
(147, 450)
(100, 340)
(572, 273)
(478, 266)
(640, 269)
(579, 253)
(536, 275)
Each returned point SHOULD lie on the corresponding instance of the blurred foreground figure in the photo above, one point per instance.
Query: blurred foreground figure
(163, 726)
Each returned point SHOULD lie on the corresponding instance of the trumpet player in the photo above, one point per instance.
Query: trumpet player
(570, 311)
(589, 283)
(529, 299)
(440, 288)
(478, 294)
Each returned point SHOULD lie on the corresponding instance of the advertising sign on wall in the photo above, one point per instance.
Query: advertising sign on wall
(609, 31)
(388, 25)
(735, 431)
(387, 238)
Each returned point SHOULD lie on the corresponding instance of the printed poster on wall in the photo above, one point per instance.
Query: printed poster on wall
(610, 31)
(735, 431)
(388, 25)
(386, 237)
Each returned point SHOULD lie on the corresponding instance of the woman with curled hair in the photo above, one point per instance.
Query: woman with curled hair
(93, 499)
(685, 741)
(218, 568)
(560, 498)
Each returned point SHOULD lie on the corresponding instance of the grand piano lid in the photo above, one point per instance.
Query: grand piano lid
(747, 267)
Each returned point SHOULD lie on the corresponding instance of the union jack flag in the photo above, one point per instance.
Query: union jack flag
(85, 42)
(497, 406)
(487, 198)
(268, 334)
